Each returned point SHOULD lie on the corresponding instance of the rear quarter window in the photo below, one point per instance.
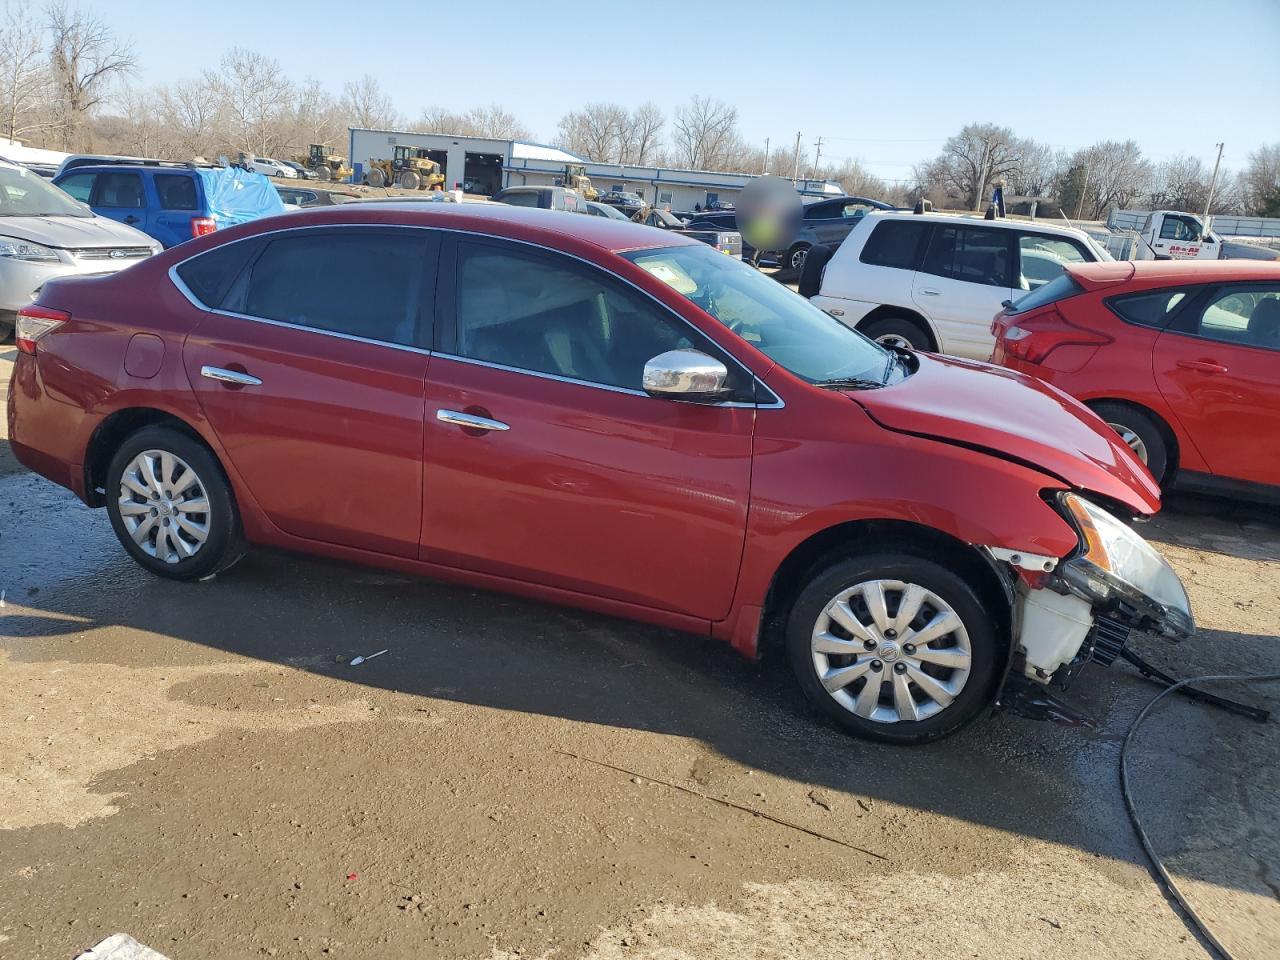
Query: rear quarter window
(895, 243)
(1059, 288)
(1151, 309)
(209, 276)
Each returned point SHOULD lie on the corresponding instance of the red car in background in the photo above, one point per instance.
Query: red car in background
(1181, 358)
(600, 414)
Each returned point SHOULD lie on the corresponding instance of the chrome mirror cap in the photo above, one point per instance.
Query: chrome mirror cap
(685, 375)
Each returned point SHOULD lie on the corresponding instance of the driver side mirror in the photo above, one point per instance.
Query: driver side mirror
(685, 375)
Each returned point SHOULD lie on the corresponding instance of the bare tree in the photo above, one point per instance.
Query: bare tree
(24, 73)
(1115, 173)
(854, 179)
(641, 137)
(1260, 182)
(972, 161)
(85, 57)
(365, 104)
(255, 96)
(494, 122)
(316, 118)
(705, 135)
(192, 111)
(441, 120)
(596, 132)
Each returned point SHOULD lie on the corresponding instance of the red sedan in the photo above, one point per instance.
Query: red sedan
(601, 414)
(1181, 358)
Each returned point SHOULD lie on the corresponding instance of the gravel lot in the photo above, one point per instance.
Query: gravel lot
(191, 764)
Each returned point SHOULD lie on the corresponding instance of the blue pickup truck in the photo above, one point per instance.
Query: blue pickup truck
(172, 202)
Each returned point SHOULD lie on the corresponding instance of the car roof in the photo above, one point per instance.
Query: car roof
(1092, 276)
(549, 227)
(977, 220)
(127, 167)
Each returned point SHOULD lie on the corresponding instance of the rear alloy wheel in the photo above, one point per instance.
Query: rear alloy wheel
(896, 332)
(1139, 433)
(796, 257)
(170, 505)
(893, 648)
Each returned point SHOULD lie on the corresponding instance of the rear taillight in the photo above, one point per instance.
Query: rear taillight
(202, 225)
(1033, 338)
(34, 322)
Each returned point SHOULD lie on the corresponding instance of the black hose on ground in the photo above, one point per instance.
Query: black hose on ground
(1157, 864)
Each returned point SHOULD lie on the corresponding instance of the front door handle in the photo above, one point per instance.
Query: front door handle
(1204, 366)
(131, 219)
(929, 292)
(460, 419)
(230, 376)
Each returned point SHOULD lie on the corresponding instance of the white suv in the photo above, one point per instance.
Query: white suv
(935, 281)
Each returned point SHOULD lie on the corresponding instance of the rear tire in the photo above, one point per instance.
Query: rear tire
(896, 331)
(171, 505)
(796, 257)
(1140, 433)
(869, 677)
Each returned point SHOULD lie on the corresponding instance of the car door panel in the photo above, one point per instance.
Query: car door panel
(602, 492)
(330, 442)
(1226, 395)
(959, 308)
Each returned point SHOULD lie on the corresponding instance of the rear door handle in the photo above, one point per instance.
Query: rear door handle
(460, 419)
(1204, 366)
(230, 376)
(929, 292)
(131, 219)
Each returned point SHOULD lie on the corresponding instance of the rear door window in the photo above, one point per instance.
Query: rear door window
(1246, 315)
(370, 284)
(970, 254)
(176, 191)
(520, 198)
(120, 191)
(895, 243)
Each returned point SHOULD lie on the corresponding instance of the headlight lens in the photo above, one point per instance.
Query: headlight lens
(16, 249)
(1117, 563)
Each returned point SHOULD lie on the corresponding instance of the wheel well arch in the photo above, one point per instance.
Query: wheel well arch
(1166, 431)
(865, 536)
(112, 432)
(902, 313)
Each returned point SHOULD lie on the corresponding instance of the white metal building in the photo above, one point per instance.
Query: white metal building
(486, 166)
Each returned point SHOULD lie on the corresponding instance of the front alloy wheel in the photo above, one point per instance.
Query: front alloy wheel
(893, 647)
(891, 651)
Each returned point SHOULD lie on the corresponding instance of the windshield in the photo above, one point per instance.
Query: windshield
(780, 323)
(26, 194)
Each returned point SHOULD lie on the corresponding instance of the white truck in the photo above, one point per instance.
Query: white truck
(1171, 234)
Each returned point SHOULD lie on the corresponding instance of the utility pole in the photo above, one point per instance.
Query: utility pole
(1088, 167)
(795, 169)
(1213, 183)
(817, 157)
(766, 156)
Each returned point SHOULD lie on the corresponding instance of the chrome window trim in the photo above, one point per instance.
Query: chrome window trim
(776, 403)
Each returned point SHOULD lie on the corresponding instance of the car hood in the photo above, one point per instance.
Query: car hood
(74, 232)
(1017, 418)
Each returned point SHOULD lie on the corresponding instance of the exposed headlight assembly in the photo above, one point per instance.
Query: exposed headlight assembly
(1117, 567)
(16, 249)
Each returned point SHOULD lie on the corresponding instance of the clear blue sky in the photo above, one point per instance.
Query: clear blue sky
(886, 82)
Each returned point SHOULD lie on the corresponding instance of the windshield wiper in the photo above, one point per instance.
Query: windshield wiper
(849, 383)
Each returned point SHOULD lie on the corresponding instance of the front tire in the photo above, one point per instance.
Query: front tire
(893, 647)
(409, 180)
(171, 506)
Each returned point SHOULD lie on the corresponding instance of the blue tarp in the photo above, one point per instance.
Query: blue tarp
(238, 196)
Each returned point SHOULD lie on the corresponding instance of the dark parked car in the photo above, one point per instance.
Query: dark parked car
(825, 222)
(601, 415)
(726, 241)
(304, 173)
(629, 203)
(306, 197)
(544, 198)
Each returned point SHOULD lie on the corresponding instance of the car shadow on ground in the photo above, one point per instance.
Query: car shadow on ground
(64, 567)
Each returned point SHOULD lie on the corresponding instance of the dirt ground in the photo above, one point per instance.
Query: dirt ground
(191, 764)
